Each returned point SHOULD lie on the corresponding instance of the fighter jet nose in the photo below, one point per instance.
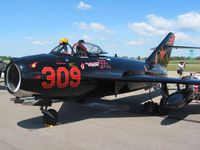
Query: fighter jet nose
(13, 78)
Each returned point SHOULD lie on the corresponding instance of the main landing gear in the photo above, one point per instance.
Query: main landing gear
(153, 108)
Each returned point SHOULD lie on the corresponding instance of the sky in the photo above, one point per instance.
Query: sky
(128, 28)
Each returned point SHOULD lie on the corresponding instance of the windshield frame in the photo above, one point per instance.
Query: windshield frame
(90, 47)
(56, 52)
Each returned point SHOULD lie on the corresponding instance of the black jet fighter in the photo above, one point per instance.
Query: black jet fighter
(85, 71)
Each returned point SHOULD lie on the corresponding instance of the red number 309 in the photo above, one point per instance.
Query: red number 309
(54, 78)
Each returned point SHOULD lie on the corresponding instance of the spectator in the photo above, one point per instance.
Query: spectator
(181, 68)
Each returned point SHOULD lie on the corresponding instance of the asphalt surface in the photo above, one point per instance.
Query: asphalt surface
(107, 123)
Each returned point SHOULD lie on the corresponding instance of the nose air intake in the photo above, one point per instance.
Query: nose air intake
(13, 78)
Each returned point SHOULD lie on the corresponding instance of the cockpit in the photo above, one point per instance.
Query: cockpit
(93, 49)
(64, 48)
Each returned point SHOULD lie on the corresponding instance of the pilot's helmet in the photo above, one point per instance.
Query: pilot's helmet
(81, 41)
(63, 41)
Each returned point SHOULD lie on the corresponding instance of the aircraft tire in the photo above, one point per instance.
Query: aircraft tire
(49, 120)
(150, 108)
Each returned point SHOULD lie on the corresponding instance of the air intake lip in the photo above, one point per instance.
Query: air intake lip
(13, 78)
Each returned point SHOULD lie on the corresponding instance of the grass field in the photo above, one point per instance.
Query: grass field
(192, 65)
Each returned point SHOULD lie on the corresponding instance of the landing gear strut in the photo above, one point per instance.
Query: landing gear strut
(151, 107)
(165, 94)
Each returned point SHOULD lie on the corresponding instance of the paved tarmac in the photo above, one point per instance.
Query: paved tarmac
(107, 123)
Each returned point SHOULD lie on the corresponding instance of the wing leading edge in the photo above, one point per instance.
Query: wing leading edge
(145, 78)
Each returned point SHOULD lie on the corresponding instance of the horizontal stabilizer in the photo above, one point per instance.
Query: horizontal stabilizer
(179, 47)
(183, 47)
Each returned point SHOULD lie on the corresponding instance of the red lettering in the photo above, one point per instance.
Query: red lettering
(50, 77)
(63, 70)
(76, 76)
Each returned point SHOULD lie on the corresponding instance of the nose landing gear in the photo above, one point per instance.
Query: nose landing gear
(50, 116)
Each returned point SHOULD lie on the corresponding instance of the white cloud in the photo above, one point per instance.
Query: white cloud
(38, 43)
(84, 6)
(190, 20)
(88, 38)
(83, 26)
(182, 36)
(44, 42)
(187, 39)
(95, 26)
(158, 25)
(143, 28)
(160, 22)
(138, 42)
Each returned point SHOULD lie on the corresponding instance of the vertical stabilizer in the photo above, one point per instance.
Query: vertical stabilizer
(162, 52)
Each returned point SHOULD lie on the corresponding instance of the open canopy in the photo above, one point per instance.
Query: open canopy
(92, 49)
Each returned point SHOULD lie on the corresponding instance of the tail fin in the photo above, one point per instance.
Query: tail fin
(162, 52)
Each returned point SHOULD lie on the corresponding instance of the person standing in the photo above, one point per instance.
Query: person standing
(181, 68)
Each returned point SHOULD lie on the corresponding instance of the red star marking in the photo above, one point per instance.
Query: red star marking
(162, 53)
(171, 40)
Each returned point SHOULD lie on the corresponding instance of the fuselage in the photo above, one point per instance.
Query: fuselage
(60, 76)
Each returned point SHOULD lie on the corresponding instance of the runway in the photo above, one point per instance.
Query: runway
(108, 123)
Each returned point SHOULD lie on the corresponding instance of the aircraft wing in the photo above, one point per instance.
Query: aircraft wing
(145, 78)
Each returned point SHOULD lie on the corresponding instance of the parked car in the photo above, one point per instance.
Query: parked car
(2, 67)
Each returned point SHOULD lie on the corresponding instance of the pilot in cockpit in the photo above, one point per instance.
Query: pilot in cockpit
(63, 46)
(80, 48)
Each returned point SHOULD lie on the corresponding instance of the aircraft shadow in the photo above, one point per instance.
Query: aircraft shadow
(94, 108)
(130, 106)
(177, 115)
(2, 87)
